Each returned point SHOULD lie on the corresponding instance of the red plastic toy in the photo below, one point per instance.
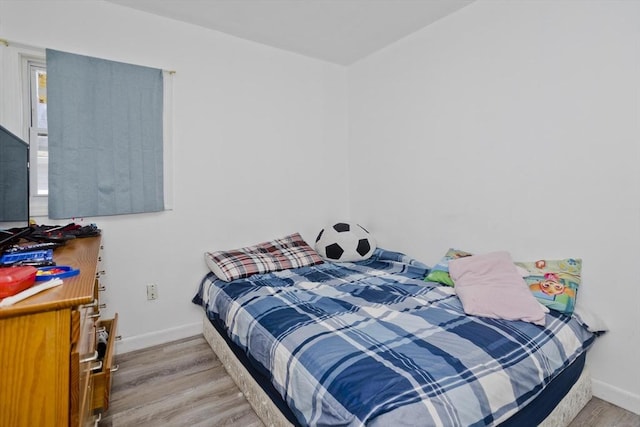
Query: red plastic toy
(16, 279)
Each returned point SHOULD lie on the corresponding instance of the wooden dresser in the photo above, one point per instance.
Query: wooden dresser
(49, 372)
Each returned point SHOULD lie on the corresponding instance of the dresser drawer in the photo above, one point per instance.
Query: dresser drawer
(102, 378)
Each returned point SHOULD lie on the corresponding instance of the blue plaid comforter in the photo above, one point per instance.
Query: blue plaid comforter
(370, 343)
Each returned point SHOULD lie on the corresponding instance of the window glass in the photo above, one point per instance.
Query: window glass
(38, 134)
(43, 165)
(41, 98)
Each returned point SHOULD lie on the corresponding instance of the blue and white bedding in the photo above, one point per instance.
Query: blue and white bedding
(371, 343)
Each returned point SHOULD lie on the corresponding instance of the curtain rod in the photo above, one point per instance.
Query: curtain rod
(6, 43)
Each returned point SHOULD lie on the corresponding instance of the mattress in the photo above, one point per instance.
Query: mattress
(556, 406)
(423, 355)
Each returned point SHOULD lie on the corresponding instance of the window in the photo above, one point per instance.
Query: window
(37, 125)
(26, 85)
(20, 66)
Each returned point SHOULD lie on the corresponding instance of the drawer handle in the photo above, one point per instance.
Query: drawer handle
(102, 288)
(96, 367)
(102, 305)
(94, 315)
(90, 357)
(98, 419)
(118, 338)
(94, 304)
(101, 329)
(90, 305)
(114, 368)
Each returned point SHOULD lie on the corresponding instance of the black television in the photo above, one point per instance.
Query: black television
(14, 180)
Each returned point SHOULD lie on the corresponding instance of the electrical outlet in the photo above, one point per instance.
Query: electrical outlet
(152, 291)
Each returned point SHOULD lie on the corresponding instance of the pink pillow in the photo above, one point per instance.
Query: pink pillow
(489, 285)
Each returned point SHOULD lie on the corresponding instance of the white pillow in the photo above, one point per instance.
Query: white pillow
(589, 319)
(490, 285)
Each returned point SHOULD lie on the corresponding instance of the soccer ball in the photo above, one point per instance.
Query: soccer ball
(345, 242)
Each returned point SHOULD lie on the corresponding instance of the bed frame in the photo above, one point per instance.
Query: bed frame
(271, 416)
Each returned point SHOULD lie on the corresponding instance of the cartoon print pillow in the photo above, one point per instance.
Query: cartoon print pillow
(554, 282)
(440, 272)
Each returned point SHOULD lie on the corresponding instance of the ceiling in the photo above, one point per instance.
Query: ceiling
(339, 31)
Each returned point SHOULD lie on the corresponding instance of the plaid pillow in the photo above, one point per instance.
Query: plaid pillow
(280, 254)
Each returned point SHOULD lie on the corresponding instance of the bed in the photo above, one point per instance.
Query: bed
(371, 343)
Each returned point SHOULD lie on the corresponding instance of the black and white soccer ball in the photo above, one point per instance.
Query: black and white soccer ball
(345, 242)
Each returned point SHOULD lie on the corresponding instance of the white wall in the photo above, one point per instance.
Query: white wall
(254, 131)
(513, 125)
(508, 125)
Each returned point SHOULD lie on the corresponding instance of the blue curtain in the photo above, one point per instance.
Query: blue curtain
(105, 137)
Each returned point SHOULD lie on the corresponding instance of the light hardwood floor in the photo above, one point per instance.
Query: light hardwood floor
(183, 383)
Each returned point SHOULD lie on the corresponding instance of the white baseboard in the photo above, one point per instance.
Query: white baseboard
(159, 337)
(617, 396)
